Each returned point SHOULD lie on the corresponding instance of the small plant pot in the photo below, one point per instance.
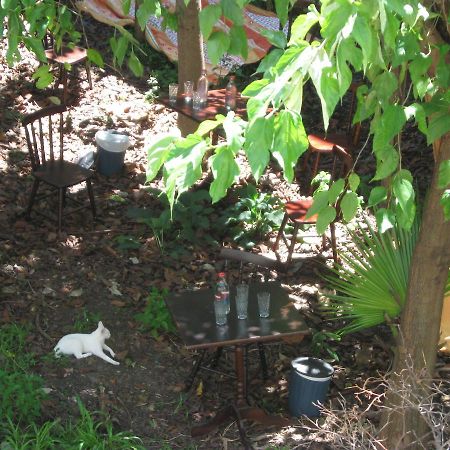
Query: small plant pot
(308, 386)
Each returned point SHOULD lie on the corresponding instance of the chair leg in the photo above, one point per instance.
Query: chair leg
(91, 198)
(88, 73)
(294, 237)
(280, 232)
(33, 193)
(60, 208)
(64, 83)
(333, 242)
(263, 360)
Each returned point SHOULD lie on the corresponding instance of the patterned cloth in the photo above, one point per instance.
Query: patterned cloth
(165, 40)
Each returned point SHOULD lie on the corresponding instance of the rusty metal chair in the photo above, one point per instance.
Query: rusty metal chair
(45, 137)
(64, 57)
(347, 141)
(297, 210)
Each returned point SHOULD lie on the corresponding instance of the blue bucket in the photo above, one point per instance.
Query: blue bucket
(308, 385)
(111, 151)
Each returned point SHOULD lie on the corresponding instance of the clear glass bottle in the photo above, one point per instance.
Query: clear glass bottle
(202, 86)
(231, 94)
(222, 290)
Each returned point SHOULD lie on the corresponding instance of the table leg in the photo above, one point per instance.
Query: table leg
(241, 410)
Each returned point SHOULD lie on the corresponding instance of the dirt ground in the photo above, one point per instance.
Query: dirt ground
(56, 283)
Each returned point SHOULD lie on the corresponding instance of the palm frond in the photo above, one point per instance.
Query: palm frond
(372, 280)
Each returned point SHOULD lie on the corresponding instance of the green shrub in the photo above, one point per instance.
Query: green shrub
(13, 354)
(252, 217)
(156, 317)
(21, 396)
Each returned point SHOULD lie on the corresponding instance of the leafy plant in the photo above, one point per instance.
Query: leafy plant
(321, 345)
(87, 432)
(126, 242)
(253, 216)
(13, 354)
(372, 279)
(86, 321)
(21, 396)
(190, 221)
(156, 317)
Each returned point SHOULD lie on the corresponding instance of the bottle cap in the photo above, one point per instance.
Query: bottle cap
(221, 274)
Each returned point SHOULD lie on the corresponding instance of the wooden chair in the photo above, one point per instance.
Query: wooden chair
(44, 135)
(66, 56)
(296, 211)
(347, 141)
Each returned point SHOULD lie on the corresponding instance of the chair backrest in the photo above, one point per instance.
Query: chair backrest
(231, 254)
(44, 134)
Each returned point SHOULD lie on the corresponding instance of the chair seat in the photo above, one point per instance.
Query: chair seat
(67, 55)
(322, 145)
(62, 173)
(297, 210)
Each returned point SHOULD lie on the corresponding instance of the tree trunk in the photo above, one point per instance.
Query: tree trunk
(190, 53)
(421, 317)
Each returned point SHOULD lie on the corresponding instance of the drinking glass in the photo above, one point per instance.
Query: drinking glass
(197, 100)
(242, 301)
(173, 92)
(263, 303)
(188, 90)
(220, 311)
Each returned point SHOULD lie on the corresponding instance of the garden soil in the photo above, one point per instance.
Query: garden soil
(56, 284)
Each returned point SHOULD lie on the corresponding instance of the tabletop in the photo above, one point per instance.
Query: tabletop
(214, 106)
(193, 313)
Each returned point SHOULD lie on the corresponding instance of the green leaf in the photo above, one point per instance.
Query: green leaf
(325, 217)
(325, 81)
(354, 181)
(276, 38)
(225, 170)
(336, 15)
(233, 11)
(301, 26)
(147, 8)
(404, 192)
(377, 195)
(120, 47)
(238, 42)
(234, 129)
(335, 190)
(183, 165)
(35, 45)
(95, 57)
(444, 174)
(320, 202)
(387, 162)
(349, 205)
(290, 141)
(255, 87)
(385, 219)
(157, 154)
(43, 76)
(208, 17)
(439, 125)
(269, 61)
(445, 202)
(385, 85)
(217, 44)
(258, 141)
(135, 65)
(208, 125)
(282, 9)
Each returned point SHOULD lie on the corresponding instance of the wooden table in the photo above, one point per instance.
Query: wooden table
(193, 313)
(215, 105)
